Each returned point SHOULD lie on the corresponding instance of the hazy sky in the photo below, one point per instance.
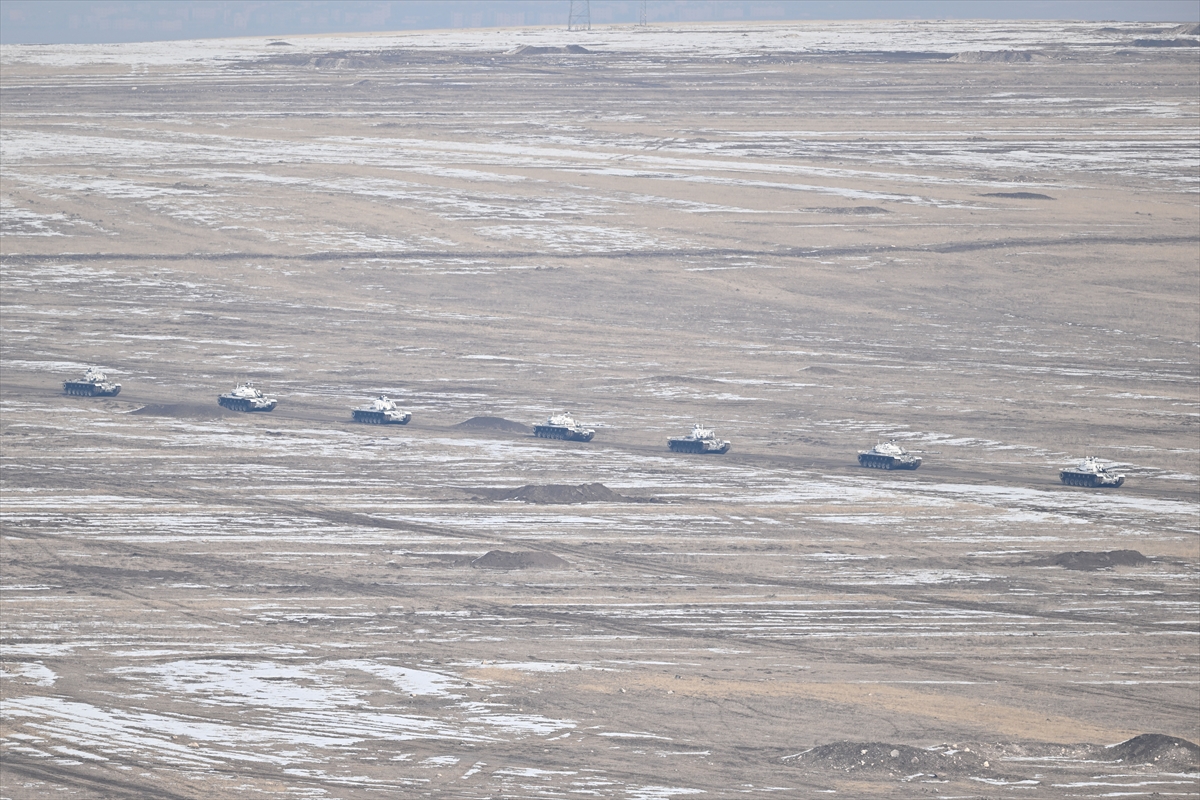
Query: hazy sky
(87, 21)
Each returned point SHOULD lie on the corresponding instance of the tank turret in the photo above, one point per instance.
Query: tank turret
(94, 383)
(382, 411)
(700, 440)
(1090, 472)
(888, 455)
(245, 397)
(562, 426)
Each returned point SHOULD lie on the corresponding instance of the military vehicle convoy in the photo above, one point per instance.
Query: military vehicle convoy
(382, 411)
(888, 455)
(700, 440)
(562, 426)
(245, 397)
(94, 383)
(1090, 472)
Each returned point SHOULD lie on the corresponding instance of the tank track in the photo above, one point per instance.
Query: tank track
(1088, 480)
(240, 404)
(883, 462)
(378, 418)
(88, 390)
(695, 446)
(566, 434)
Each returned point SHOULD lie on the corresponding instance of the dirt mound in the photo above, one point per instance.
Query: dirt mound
(533, 50)
(1157, 750)
(1019, 195)
(999, 56)
(344, 61)
(822, 370)
(524, 559)
(681, 379)
(1085, 560)
(494, 424)
(184, 410)
(1187, 29)
(860, 210)
(896, 759)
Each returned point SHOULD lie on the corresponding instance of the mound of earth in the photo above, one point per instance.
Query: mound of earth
(525, 559)
(999, 56)
(861, 210)
(1085, 560)
(1157, 750)
(822, 370)
(1019, 195)
(343, 61)
(534, 50)
(563, 494)
(895, 759)
(495, 424)
(680, 379)
(184, 410)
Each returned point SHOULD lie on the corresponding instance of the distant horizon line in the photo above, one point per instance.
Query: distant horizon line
(612, 26)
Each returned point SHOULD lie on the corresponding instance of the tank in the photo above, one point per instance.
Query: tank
(382, 411)
(700, 440)
(1090, 472)
(888, 455)
(562, 426)
(245, 397)
(94, 383)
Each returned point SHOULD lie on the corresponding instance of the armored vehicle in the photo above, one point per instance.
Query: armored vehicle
(246, 398)
(94, 383)
(700, 440)
(382, 411)
(1090, 472)
(562, 426)
(888, 455)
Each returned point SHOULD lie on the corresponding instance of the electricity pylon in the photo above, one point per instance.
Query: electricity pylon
(580, 18)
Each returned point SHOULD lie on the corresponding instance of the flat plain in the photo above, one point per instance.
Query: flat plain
(979, 240)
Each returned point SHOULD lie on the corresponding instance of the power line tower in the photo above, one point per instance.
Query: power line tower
(580, 18)
(642, 19)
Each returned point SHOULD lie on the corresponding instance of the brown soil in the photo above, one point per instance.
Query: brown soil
(207, 605)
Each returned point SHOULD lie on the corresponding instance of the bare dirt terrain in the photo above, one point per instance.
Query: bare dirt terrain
(979, 240)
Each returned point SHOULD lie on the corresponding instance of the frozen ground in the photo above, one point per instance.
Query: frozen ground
(812, 238)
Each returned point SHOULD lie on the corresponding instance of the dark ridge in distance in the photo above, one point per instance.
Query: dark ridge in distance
(1019, 195)
(505, 255)
(535, 50)
(1162, 752)
(1089, 561)
(1166, 43)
